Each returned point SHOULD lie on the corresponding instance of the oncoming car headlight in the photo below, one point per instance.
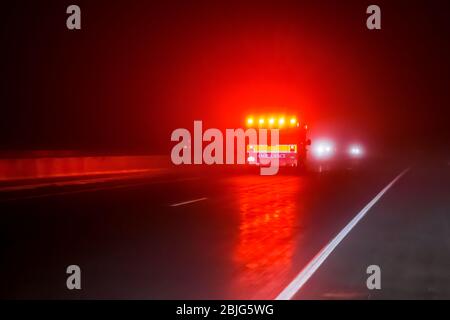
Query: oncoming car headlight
(355, 151)
(323, 149)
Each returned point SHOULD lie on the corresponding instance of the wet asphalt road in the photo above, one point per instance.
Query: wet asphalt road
(206, 234)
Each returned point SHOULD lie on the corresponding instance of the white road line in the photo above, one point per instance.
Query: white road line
(315, 263)
(187, 202)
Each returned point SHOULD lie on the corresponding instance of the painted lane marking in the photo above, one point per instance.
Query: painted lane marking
(291, 290)
(187, 202)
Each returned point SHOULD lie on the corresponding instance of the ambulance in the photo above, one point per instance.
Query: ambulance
(293, 141)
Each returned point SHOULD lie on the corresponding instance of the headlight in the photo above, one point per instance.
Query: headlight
(323, 149)
(355, 151)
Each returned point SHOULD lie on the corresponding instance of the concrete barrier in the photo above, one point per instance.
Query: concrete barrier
(49, 167)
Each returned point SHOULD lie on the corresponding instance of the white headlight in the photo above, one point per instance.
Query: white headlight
(323, 149)
(355, 151)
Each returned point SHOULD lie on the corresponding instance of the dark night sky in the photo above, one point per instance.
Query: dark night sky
(139, 69)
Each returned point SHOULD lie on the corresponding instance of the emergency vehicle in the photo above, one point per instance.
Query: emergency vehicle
(293, 142)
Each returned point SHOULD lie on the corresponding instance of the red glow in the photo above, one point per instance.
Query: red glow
(266, 235)
(50, 167)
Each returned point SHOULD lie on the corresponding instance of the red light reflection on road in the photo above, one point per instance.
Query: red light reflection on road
(268, 215)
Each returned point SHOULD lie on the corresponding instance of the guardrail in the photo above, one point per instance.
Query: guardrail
(49, 167)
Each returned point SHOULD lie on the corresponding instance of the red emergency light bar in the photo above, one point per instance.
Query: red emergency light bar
(272, 122)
